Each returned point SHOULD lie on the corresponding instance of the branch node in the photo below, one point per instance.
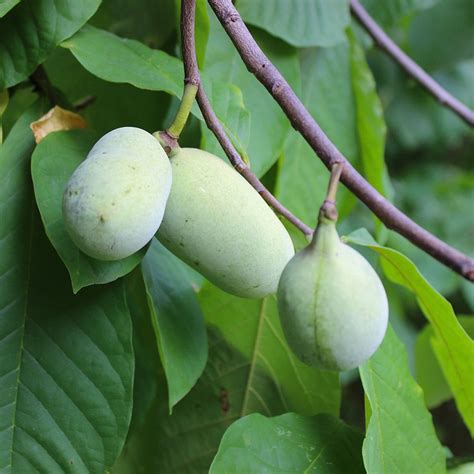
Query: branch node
(232, 18)
(195, 81)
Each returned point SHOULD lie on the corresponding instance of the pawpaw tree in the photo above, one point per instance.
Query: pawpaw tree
(175, 295)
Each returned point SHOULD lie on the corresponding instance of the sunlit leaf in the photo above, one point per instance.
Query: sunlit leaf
(428, 371)
(453, 347)
(400, 435)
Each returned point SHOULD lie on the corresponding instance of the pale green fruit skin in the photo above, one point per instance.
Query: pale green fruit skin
(218, 224)
(115, 200)
(333, 307)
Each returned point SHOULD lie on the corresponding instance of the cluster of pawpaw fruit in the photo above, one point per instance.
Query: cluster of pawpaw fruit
(332, 305)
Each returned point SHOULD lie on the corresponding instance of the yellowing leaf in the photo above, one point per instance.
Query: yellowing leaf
(55, 120)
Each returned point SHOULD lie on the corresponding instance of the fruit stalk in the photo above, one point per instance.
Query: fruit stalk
(189, 94)
(329, 208)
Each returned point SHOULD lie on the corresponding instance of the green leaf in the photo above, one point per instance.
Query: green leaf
(289, 443)
(467, 468)
(400, 435)
(144, 20)
(154, 70)
(370, 124)
(253, 328)
(187, 440)
(33, 29)
(128, 61)
(53, 162)
(6, 6)
(227, 101)
(270, 126)
(390, 12)
(453, 347)
(177, 319)
(301, 23)
(428, 371)
(115, 105)
(147, 360)
(328, 95)
(67, 361)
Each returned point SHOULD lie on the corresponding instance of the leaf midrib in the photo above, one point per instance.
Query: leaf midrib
(254, 357)
(25, 314)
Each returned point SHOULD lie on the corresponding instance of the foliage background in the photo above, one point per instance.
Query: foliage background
(72, 364)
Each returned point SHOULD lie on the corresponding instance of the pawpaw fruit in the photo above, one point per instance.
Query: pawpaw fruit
(333, 307)
(217, 223)
(114, 202)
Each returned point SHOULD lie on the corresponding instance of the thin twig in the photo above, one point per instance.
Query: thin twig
(191, 73)
(302, 121)
(411, 67)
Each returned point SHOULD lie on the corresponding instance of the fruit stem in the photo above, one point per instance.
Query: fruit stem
(329, 209)
(189, 94)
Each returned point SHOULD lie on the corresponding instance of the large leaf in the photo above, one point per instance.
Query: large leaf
(6, 6)
(33, 29)
(370, 125)
(400, 435)
(187, 441)
(454, 349)
(147, 360)
(289, 443)
(115, 105)
(301, 23)
(228, 102)
(253, 328)
(177, 318)
(128, 61)
(428, 371)
(148, 21)
(328, 95)
(156, 70)
(53, 162)
(391, 12)
(67, 361)
(270, 125)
